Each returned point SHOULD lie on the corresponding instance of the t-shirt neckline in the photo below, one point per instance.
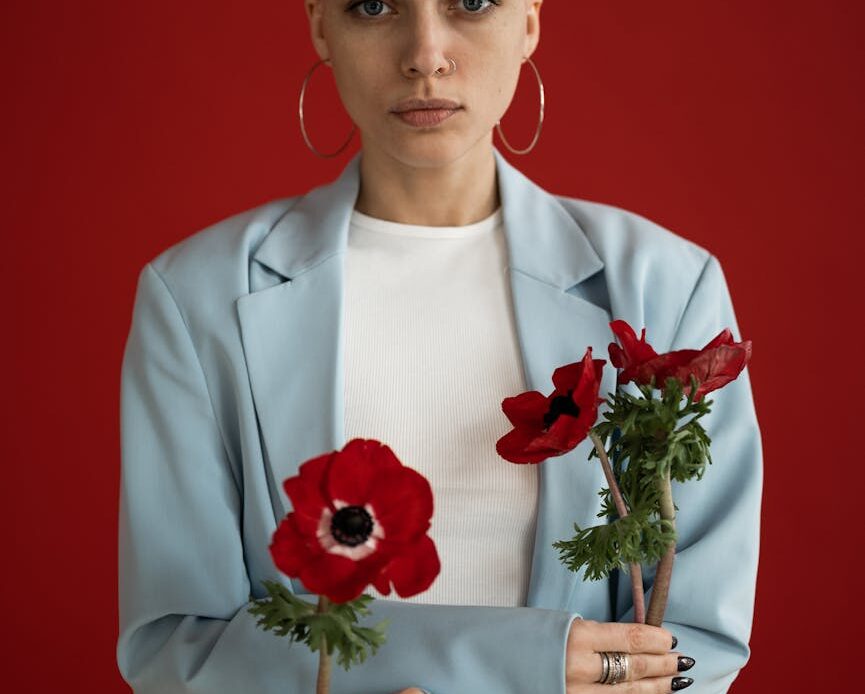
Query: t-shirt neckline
(386, 226)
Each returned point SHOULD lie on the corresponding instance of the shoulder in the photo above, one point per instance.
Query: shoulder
(650, 271)
(206, 271)
(221, 250)
(619, 235)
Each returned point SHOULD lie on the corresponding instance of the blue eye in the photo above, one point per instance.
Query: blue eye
(474, 5)
(373, 7)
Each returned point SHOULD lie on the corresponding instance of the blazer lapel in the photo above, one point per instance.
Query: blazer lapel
(292, 331)
(549, 255)
(292, 339)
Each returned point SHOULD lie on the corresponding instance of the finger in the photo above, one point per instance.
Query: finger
(627, 638)
(641, 666)
(652, 685)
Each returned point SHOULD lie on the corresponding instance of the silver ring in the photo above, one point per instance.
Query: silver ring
(451, 71)
(605, 667)
(615, 667)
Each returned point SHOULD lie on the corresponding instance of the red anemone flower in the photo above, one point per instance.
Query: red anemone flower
(359, 517)
(714, 366)
(546, 426)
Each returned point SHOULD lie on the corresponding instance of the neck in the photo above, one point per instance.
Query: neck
(460, 192)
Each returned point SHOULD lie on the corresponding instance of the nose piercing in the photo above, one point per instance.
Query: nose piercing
(451, 71)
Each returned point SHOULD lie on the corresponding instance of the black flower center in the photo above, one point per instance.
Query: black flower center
(561, 404)
(351, 525)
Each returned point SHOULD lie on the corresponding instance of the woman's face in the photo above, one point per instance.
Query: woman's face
(386, 51)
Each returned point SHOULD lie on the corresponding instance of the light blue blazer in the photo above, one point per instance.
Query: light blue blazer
(233, 375)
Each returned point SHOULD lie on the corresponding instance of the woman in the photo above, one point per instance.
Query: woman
(403, 302)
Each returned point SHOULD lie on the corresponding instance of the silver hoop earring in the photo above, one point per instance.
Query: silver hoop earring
(303, 125)
(451, 71)
(540, 119)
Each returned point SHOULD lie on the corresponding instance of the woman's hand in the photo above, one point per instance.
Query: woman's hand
(653, 668)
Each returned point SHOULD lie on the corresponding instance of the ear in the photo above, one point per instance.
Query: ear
(315, 14)
(533, 26)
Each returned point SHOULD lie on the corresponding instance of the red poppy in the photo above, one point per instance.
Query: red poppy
(359, 517)
(718, 363)
(546, 426)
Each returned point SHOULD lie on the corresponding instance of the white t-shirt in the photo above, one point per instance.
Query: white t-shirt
(431, 350)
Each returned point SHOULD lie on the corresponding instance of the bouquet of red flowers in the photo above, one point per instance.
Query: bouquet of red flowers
(360, 517)
(646, 439)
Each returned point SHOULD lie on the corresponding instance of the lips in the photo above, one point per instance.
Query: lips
(424, 105)
(425, 118)
(425, 113)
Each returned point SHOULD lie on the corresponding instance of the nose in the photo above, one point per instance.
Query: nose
(424, 53)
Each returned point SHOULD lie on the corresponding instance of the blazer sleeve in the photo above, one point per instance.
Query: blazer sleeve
(183, 586)
(711, 599)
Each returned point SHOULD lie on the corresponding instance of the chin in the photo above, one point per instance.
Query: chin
(428, 149)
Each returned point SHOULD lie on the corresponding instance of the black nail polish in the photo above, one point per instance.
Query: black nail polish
(675, 643)
(681, 683)
(685, 663)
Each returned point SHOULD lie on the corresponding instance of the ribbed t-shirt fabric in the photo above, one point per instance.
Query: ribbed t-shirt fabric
(431, 350)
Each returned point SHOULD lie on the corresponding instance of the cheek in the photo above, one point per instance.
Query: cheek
(495, 83)
(496, 65)
(359, 82)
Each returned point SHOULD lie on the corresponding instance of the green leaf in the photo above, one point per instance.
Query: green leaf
(646, 439)
(337, 628)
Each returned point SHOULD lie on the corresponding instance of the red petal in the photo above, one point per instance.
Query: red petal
(725, 337)
(568, 431)
(623, 331)
(567, 376)
(413, 570)
(289, 548)
(306, 489)
(586, 388)
(402, 501)
(526, 409)
(635, 351)
(661, 367)
(382, 583)
(350, 476)
(340, 578)
(617, 355)
(518, 446)
(715, 368)
(386, 458)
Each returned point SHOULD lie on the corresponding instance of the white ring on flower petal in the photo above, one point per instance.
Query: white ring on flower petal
(332, 546)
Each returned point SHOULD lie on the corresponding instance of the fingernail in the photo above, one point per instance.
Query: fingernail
(675, 643)
(681, 683)
(685, 663)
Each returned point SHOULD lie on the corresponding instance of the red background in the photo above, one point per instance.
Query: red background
(127, 126)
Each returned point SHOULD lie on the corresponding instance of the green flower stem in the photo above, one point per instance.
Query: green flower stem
(635, 571)
(322, 685)
(661, 587)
